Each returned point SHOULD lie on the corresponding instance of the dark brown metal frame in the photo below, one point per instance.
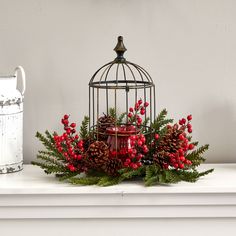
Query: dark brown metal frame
(143, 82)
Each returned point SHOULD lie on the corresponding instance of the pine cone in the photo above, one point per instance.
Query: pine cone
(170, 143)
(104, 122)
(112, 166)
(97, 155)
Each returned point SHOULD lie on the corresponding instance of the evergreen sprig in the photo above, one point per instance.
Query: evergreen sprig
(84, 130)
(196, 156)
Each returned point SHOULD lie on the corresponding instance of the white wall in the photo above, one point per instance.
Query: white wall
(189, 48)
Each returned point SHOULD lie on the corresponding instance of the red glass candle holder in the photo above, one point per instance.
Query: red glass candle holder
(119, 136)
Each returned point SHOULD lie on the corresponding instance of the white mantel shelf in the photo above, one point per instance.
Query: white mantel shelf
(30, 194)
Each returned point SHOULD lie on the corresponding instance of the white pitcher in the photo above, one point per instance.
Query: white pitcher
(11, 122)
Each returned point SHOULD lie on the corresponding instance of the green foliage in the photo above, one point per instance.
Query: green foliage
(87, 180)
(130, 173)
(196, 156)
(84, 129)
(161, 120)
(112, 112)
(49, 168)
(108, 181)
(156, 175)
(121, 117)
(66, 175)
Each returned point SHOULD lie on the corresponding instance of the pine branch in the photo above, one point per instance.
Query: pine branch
(65, 176)
(160, 122)
(112, 112)
(109, 181)
(52, 154)
(87, 180)
(48, 169)
(121, 118)
(47, 143)
(196, 156)
(50, 137)
(84, 133)
(50, 160)
(155, 175)
(130, 173)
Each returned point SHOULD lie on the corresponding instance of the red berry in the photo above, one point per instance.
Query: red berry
(65, 122)
(76, 136)
(140, 101)
(190, 130)
(135, 166)
(140, 156)
(130, 115)
(79, 157)
(183, 121)
(189, 126)
(188, 162)
(79, 144)
(140, 143)
(142, 112)
(66, 117)
(73, 125)
(176, 165)
(181, 137)
(139, 164)
(139, 120)
(189, 117)
(133, 137)
(130, 151)
(132, 155)
(146, 104)
(71, 168)
(131, 109)
(56, 137)
(182, 158)
(180, 122)
(126, 164)
(181, 152)
(156, 136)
(143, 139)
(141, 136)
(128, 160)
(181, 165)
(68, 131)
(190, 146)
(136, 106)
(165, 166)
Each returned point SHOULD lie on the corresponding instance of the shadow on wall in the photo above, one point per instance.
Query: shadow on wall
(219, 130)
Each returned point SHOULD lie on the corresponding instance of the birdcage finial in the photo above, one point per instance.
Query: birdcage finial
(120, 49)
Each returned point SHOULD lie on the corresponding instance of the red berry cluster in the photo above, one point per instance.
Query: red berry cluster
(177, 159)
(136, 151)
(69, 145)
(139, 109)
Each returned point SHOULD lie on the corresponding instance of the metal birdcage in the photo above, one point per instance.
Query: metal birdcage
(119, 84)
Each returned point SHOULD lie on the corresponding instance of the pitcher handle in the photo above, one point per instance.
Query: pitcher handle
(20, 68)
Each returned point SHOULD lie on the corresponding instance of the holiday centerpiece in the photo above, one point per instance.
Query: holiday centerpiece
(114, 145)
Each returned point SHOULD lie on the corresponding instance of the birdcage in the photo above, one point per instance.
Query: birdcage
(115, 88)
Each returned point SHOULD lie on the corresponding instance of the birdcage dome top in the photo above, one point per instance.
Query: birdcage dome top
(120, 73)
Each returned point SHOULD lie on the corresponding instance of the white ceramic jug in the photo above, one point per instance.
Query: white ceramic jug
(11, 122)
